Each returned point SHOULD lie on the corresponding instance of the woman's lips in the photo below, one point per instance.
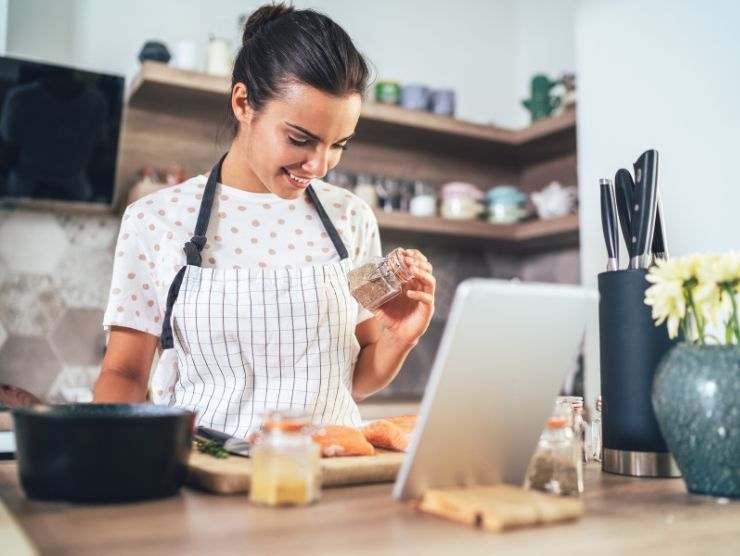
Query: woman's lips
(302, 184)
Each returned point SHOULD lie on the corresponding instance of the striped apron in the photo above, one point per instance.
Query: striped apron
(236, 343)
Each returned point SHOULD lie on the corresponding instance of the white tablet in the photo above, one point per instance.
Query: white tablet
(504, 354)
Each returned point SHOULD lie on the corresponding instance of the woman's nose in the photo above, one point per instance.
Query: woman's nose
(318, 164)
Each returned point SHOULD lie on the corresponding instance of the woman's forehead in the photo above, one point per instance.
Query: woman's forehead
(330, 117)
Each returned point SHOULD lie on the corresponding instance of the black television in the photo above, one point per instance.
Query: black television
(59, 133)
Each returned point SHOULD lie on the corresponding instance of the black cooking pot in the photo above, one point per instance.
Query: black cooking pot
(102, 452)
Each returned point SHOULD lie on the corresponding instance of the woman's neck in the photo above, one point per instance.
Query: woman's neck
(235, 172)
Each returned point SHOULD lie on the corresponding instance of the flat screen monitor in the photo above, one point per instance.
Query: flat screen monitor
(59, 132)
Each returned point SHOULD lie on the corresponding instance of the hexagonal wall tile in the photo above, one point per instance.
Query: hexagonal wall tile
(29, 305)
(32, 242)
(83, 277)
(78, 338)
(74, 384)
(29, 363)
(85, 230)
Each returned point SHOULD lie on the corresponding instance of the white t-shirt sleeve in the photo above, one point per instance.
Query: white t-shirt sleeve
(367, 241)
(133, 299)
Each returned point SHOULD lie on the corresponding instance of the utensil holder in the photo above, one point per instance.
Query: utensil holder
(631, 348)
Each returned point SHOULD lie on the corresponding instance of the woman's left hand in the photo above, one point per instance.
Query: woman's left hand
(407, 316)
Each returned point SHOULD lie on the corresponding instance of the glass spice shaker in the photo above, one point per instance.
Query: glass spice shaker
(575, 406)
(286, 469)
(379, 280)
(593, 437)
(556, 466)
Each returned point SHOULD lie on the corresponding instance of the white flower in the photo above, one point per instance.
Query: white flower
(668, 303)
(695, 286)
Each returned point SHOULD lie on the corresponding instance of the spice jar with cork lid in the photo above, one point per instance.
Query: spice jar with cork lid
(379, 280)
(286, 469)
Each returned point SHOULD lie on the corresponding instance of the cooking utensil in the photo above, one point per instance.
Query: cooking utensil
(659, 247)
(609, 223)
(102, 452)
(231, 444)
(624, 190)
(644, 207)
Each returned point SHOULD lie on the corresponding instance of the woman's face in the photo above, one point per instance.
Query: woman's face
(297, 137)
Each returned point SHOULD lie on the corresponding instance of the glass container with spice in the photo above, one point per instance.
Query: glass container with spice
(379, 280)
(593, 444)
(286, 468)
(556, 466)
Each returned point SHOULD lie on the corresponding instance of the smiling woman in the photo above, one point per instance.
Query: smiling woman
(240, 277)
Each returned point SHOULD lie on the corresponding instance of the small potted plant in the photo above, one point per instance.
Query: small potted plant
(696, 393)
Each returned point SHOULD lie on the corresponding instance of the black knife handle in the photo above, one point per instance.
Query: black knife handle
(624, 188)
(212, 434)
(659, 248)
(644, 201)
(609, 222)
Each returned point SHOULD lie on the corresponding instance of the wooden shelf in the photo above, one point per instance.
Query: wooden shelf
(531, 235)
(167, 105)
(175, 89)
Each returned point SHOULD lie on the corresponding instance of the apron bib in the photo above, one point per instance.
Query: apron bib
(238, 342)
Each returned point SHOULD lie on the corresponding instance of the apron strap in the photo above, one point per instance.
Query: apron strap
(165, 339)
(192, 250)
(193, 247)
(328, 225)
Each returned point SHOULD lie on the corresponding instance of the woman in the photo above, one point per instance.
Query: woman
(250, 306)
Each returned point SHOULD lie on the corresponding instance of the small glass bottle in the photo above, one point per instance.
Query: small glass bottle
(379, 280)
(575, 406)
(593, 438)
(286, 468)
(556, 466)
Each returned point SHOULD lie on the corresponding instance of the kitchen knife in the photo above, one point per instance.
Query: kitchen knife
(660, 247)
(231, 444)
(624, 190)
(609, 223)
(644, 207)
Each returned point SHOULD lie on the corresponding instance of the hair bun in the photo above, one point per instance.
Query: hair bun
(263, 15)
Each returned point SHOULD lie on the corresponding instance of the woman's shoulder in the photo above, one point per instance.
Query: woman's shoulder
(342, 204)
(183, 197)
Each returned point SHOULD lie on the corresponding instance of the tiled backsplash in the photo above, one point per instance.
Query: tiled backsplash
(55, 270)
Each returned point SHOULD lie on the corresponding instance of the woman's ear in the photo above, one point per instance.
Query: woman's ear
(243, 112)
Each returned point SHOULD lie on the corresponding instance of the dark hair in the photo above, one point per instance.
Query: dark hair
(281, 44)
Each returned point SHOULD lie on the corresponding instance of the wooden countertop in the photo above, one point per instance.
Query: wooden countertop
(623, 516)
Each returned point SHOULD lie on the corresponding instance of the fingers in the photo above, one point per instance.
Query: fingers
(425, 281)
(422, 297)
(414, 257)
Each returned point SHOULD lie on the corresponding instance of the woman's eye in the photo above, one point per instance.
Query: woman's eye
(298, 142)
(344, 146)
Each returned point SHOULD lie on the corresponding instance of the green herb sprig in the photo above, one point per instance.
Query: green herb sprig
(212, 448)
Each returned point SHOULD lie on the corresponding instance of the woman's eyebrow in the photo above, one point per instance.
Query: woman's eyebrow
(313, 135)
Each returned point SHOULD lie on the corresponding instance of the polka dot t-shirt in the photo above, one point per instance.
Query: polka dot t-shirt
(246, 230)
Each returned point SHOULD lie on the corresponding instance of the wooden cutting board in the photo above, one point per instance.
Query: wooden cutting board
(233, 474)
(499, 507)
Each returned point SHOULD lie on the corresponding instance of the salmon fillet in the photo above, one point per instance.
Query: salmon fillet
(393, 433)
(336, 440)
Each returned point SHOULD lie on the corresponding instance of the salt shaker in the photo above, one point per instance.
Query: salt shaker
(379, 280)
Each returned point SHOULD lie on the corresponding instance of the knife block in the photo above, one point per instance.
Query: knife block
(631, 347)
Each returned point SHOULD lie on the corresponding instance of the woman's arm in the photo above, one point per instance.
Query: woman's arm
(124, 377)
(403, 320)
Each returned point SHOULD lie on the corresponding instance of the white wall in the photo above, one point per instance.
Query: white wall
(485, 49)
(668, 79)
(545, 44)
